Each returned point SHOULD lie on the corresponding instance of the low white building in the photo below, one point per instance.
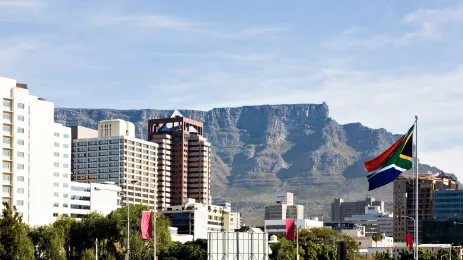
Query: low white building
(88, 197)
(279, 226)
(197, 219)
(176, 237)
(252, 244)
(364, 242)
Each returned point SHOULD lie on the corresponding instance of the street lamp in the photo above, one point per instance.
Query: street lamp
(416, 243)
(128, 211)
(128, 215)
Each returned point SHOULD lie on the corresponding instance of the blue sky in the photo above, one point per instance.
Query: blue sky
(374, 62)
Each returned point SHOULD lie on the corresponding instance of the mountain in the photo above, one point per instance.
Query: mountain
(259, 150)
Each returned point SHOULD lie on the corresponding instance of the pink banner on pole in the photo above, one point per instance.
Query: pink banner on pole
(146, 225)
(290, 229)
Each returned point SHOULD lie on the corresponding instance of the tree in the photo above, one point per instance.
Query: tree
(14, 241)
(284, 250)
(405, 254)
(377, 237)
(383, 255)
(49, 243)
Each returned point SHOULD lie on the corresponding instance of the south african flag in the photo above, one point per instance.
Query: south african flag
(390, 164)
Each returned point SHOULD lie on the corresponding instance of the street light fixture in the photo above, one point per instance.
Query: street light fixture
(415, 253)
(128, 210)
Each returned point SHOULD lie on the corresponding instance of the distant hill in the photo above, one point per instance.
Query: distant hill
(258, 150)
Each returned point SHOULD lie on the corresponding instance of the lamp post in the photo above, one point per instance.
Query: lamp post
(128, 214)
(128, 210)
(415, 253)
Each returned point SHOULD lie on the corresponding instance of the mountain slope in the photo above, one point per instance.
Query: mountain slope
(258, 150)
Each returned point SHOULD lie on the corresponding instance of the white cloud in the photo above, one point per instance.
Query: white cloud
(436, 16)
(142, 21)
(22, 4)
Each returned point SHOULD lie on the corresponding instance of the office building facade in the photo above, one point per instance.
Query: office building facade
(35, 155)
(341, 209)
(404, 200)
(116, 156)
(448, 204)
(279, 226)
(284, 208)
(185, 159)
(197, 219)
(375, 221)
(88, 197)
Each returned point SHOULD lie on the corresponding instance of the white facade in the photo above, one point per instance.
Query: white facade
(279, 225)
(197, 218)
(367, 242)
(374, 221)
(121, 159)
(116, 127)
(238, 245)
(35, 155)
(89, 197)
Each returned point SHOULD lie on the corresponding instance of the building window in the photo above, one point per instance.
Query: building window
(56, 174)
(21, 105)
(55, 204)
(65, 205)
(20, 190)
(20, 178)
(20, 142)
(55, 184)
(20, 118)
(56, 154)
(20, 154)
(6, 165)
(73, 206)
(6, 177)
(7, 116)
(65, 185)
(56, 194)
(56, 134)
(5, 189)
(56, 144)
(65, 155)
(65, 195)
(6, 140)
(7, 104)
(84, 189)
(20, 166)
(7, 129)
(65, 135)
(65, 165)
(65, 145)
(20, 203)
(65, 175)
(55, 214)
(6, 153)
(56, 164)
(20, 130)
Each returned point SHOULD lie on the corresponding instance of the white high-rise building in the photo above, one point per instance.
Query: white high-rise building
(36, 155)
(115, 155)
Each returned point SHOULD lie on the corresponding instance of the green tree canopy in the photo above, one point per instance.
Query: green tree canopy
(14, 240)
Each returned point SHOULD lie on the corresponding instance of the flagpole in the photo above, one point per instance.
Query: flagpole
(297, 241)
(154, 231)
(416, 188)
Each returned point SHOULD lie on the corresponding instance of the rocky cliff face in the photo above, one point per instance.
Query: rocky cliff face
(261, 149)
